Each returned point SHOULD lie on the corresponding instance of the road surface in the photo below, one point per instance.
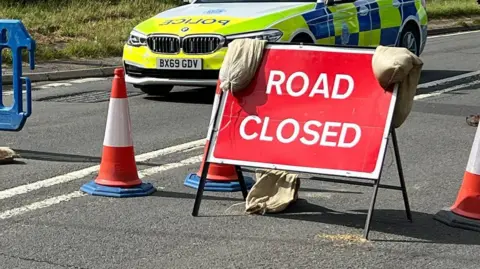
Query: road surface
(47, 223)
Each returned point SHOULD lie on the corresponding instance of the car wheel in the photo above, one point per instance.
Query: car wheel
(157, 90)
(302, 38)
(410, 39)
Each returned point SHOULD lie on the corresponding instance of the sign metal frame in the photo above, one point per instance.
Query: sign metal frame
(374, 177)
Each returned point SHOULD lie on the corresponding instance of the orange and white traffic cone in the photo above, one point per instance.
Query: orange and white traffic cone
(118, 175)
(220, 177)
(465, 212)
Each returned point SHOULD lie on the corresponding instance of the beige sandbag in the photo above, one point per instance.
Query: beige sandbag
(7, 155)
(240, 64)
(273, 192)
(393, 65)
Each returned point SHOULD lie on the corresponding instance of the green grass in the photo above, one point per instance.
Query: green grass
(99, 28)
(447, 9)
(81, 28)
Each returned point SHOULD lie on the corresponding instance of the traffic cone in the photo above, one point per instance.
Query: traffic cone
(118, 175)
(465, 212)
(220, 177)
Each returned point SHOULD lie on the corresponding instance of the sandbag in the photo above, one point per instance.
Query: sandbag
(272, 192)
(394, 65)
(240, 64)
(7, 155)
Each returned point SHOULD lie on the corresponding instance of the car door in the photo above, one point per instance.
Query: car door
(320, 23)
(352, 22)
(386, 21)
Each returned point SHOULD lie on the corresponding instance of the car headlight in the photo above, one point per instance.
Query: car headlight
(137, 39)
(269, 35)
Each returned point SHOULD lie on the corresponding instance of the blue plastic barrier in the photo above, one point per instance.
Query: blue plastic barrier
(14, 36)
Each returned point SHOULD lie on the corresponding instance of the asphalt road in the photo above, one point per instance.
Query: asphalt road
(43, 228)
(447, 56)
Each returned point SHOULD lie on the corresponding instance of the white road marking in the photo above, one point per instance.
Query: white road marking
(60, 84)
(192, 149)
(42, 204)
(77, 194)
(90, 170)
(162, 152)
(454, 88)
(157, 169)
(54, 85)
(454, 34)
(447, 80)
(84, 80)
(48, 182)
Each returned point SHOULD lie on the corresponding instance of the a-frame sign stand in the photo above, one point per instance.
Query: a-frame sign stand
(375, 184)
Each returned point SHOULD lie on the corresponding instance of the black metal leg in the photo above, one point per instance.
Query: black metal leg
(241, 179)
(201, 186)
(370, 210)
(400, 174)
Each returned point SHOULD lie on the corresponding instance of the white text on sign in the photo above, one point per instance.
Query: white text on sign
(326, 137)
(312, 131)
(276, 79)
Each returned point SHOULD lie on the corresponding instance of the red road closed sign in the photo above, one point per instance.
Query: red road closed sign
(309, 109)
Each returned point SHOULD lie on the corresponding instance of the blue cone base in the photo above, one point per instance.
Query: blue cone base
(93, 188)
(193, 181)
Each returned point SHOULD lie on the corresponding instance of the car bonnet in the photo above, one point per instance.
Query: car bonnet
(222, 18)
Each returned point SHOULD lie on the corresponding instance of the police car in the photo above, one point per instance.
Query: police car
(186, 45)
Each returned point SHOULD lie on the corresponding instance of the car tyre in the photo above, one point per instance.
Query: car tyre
(410, 39)
(156, 90)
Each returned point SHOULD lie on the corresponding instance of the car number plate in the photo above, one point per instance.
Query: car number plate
(180, 64)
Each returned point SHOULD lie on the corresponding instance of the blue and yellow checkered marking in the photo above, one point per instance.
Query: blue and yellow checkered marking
(353, 39)
(375, 15)
(363, 21)
(326, 22)
(320, 22)
(408, 9)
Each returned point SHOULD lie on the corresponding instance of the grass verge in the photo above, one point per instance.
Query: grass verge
(80, 28)
(99, 28)
(448, 9)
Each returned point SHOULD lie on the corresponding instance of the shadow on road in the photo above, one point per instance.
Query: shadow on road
(192, 96)
(432, 75)
(191, 196)
(62, 157)
(328, 191)
(424, 227)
